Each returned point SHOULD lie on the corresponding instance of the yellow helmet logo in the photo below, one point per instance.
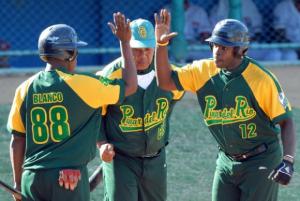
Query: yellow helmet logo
(142, 32)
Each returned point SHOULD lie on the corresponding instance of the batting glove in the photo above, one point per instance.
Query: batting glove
(283, 172)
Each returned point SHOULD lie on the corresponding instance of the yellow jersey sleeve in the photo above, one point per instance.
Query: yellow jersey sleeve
(15, 123)
(193, 76)
(267, 92)
(111, 73)
(95, 91)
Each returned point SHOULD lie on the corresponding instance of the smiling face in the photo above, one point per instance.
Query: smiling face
(225, 57)
(143, 57)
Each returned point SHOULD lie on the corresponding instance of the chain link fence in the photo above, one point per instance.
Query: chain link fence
(22, 21)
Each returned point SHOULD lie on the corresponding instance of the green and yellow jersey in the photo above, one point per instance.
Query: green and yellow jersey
(140, 125)
(58, 113)
(241, 108)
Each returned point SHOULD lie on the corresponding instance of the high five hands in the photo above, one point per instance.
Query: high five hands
(162, 27)
(120, 27)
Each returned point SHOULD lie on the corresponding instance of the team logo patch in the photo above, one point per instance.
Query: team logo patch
(142, 32)
(283, 100)
(105, 80)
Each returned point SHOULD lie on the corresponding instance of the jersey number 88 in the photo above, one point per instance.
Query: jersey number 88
(58, 128)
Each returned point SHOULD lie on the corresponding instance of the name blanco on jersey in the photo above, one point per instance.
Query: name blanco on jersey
(46, 98)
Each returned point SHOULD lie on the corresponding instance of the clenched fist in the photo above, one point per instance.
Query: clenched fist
(107, 152)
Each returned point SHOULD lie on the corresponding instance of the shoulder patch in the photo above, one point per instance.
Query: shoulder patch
(104, 80)
(283, 100)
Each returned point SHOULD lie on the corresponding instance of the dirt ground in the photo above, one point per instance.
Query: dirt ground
(289, 78)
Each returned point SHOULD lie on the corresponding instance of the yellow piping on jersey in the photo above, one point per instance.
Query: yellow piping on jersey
(177, 94)
(194, 76)
(15, 119)
(262, 86)
(93, 92)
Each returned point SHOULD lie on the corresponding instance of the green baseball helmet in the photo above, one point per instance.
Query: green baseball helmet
(57, 40)
(230, 33)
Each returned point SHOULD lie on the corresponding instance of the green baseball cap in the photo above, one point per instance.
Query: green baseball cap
(142, 34)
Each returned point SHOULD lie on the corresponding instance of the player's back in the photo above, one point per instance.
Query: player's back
(61, 116)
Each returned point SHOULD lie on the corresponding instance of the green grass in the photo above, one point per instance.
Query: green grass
(191, 157)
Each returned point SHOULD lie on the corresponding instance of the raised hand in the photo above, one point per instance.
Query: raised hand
(162, 27)
(68, 178)
(120, 27)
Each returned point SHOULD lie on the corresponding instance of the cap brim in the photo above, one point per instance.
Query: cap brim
(81, 43)
(142, 44)
(69, 45)
(220, 41)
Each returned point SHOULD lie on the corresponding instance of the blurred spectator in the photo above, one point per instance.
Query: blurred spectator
(197, 28)
(287, 22)
(253, 20)
(4, 46)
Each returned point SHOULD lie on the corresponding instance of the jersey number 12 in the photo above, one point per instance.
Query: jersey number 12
(248, 130)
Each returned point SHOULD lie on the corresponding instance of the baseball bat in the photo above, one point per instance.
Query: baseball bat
(96, 178)
(11, 190)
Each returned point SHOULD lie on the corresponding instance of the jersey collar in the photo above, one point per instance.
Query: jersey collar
(238, 71)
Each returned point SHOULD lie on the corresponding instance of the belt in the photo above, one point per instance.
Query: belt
(146, 156)
(245, 156)
(152, 155)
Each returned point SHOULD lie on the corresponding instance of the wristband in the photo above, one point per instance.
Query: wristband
(162, 44)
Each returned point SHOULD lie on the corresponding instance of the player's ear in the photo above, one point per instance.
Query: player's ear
(73, 54)
(239, 51)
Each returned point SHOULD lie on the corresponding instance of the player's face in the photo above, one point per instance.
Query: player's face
(143, 57)
(224, 57)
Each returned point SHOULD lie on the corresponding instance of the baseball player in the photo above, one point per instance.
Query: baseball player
(135, 133)
(242, 104)
(55, 116)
